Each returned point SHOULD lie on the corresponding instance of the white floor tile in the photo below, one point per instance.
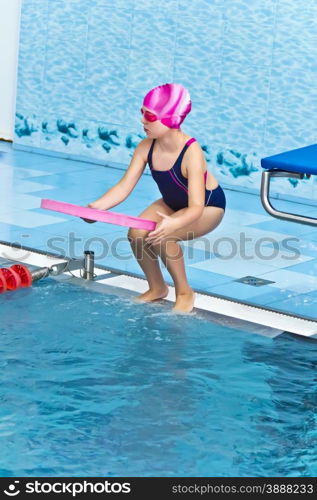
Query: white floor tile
(25, 218)
(235, 267)
(291, 280)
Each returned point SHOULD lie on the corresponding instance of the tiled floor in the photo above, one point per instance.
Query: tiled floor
(248, 241)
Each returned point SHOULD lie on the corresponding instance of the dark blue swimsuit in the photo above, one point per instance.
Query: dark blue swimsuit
(174, 186)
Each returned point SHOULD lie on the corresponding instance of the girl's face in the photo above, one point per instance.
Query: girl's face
(151, 124)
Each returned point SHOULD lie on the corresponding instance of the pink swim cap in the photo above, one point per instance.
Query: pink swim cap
(170, 102)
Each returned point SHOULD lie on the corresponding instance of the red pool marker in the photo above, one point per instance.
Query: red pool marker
(3, 283)
(12, 279)
(24, 273)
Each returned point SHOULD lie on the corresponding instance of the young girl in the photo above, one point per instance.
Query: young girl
(192, 202)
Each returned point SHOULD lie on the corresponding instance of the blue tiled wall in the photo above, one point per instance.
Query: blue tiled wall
(250, 66)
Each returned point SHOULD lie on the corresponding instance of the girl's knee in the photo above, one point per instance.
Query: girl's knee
(137, 234)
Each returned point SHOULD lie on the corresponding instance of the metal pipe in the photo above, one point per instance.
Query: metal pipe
(37, 274)
(89, 262)
(59, 268)
(265, 198)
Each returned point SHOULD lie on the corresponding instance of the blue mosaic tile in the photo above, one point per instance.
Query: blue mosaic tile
(302, 304)
(287, 227)
(309, 268)
(241, 82)
(203, 280)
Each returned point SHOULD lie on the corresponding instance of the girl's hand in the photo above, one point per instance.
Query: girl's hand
(96, 204)
(90, 205)
(163, 229)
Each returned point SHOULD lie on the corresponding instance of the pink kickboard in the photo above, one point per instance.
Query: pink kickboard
(98, 215)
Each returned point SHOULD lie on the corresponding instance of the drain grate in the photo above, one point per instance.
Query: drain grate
(254, 281)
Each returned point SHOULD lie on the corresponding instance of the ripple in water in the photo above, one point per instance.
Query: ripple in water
(93, 384)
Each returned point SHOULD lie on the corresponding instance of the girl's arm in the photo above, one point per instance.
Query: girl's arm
(195, 166)
(120, 191)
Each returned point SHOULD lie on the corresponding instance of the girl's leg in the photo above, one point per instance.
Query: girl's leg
(146, 255)
(172, 255)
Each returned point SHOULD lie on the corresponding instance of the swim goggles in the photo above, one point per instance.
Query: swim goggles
(150, 117)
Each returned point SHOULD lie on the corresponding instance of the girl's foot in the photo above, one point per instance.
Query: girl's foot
(185, 302)
(153, 294)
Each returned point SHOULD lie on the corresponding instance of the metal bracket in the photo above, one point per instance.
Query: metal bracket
(265, 193)
(86, 264)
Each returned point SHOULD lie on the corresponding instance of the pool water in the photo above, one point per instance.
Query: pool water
(93, 384)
